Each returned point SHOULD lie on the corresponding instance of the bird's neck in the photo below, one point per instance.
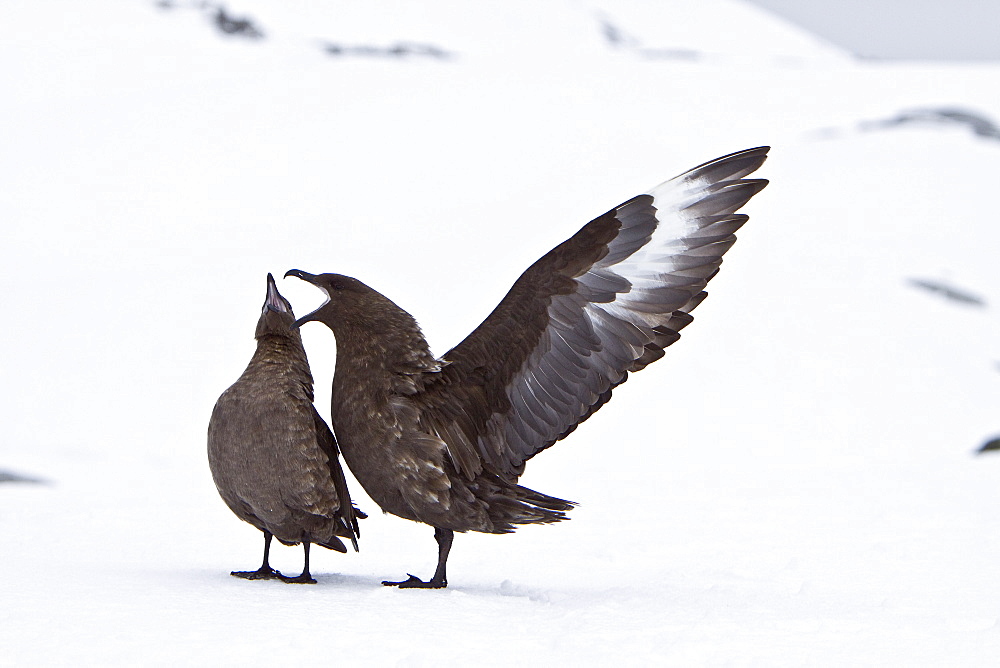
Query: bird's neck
(283, 352)
(390, 358)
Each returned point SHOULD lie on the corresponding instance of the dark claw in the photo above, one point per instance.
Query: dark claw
(259, 574)
(305, 578)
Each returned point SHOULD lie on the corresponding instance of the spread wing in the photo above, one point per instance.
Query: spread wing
(603, 303)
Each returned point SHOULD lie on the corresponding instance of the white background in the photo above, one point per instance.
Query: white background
(794, 484)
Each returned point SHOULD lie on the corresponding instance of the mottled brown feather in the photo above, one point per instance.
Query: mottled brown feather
(273, 458)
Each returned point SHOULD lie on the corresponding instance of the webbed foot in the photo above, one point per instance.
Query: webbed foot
(305, 579)
(413, 582)
(261, 573)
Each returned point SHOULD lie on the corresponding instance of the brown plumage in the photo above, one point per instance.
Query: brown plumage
(443, 441)
(273, 458)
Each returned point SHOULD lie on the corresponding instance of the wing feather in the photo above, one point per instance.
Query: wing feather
(604, 303)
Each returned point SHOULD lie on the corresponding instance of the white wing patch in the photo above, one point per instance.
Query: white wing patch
(629, 305)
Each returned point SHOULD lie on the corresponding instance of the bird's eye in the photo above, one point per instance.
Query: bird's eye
(338, 286)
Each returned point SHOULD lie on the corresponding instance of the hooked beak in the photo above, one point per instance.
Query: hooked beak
(304, 275)
(308, 278)
(274, 302)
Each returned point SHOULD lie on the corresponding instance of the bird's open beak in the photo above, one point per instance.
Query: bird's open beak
(308, 278)
(274, 302)
(304, 275)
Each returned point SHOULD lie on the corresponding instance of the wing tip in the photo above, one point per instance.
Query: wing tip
(734, 166)
(731, 167)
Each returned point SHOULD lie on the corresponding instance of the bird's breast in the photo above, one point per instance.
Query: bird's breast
(400, 467)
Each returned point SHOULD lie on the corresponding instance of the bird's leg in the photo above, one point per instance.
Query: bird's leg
(265, 572)
(444, 538)
(305, 578)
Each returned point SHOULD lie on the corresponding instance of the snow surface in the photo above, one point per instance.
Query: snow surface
(793, 485)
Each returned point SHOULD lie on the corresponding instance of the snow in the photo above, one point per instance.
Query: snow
(794, 484)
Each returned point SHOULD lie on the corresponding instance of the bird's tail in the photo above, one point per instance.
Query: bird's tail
(349, 516)
(526, 506)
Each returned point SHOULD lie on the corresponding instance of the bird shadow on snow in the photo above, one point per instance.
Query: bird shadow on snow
(505, 588)
(373, 583)
(323, 580)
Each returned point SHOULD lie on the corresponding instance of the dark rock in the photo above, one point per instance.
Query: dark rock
(948, 292)
(231, 25)
(993, 445)
(979, 124)
(10, 476)
(397, 50)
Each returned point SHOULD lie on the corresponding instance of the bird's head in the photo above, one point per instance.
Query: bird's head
(363, 319)
(348, 300)
(276, 317)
